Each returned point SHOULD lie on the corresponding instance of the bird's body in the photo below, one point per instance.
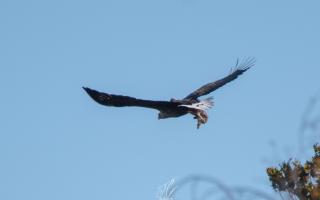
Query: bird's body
(175, 108)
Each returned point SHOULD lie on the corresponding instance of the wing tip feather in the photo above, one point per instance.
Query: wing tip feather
(95, 95)
(245, 64)
(85, 88)
(90, 92)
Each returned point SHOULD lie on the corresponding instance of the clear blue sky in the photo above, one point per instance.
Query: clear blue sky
(57, 144)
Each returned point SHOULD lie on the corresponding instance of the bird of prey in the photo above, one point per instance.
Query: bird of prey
(176, 108)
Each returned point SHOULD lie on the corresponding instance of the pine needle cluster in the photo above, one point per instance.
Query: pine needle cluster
(300, 181)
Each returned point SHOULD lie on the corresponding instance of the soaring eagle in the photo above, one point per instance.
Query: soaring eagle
(176, 108)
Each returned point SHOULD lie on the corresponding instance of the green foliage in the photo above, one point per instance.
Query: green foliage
(301, 181)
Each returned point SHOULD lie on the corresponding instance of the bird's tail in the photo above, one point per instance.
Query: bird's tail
(205, 104)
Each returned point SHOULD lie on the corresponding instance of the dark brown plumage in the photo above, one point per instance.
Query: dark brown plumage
(175, 108)
(210, 87)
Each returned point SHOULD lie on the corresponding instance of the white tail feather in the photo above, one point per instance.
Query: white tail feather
(205, 104)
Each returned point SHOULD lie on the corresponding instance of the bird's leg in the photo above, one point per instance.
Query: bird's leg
(198, 123)
(201, 117)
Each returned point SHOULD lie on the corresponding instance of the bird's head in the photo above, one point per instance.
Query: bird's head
(173, 100)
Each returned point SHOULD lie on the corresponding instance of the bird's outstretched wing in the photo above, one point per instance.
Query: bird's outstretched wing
(121, 101)
(235, 72)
